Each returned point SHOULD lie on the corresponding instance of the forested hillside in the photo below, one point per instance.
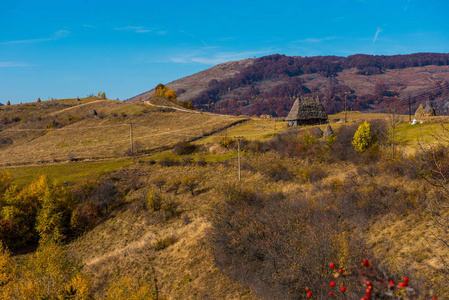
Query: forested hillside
(268, 85)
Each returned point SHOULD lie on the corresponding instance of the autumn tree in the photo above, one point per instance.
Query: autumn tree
(363, 137)
(47, 274)
(164, 92)
(191, 183)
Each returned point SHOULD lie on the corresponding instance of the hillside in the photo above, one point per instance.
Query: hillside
(39, 132)
(268, 85)
(191, 86)
(172, 221)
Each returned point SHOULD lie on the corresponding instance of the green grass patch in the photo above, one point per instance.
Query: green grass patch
(251, 130)
(413, 134)
(195, 156)
(65, 172)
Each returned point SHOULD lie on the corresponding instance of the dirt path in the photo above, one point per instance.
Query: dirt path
(184, 110)
(74, 107)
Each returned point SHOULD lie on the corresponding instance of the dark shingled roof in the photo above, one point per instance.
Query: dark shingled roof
(307, 108)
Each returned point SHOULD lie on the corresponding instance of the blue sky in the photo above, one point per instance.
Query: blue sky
(64, 49)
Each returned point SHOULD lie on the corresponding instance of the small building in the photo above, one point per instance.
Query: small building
(306, 111)
(428, 111)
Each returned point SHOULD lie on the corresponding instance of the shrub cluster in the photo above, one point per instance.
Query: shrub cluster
(184, 147)
(276, 245)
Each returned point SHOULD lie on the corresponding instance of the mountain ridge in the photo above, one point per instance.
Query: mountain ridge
(269, 84)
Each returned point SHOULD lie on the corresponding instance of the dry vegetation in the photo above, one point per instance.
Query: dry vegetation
(301, 203)
(105, 135)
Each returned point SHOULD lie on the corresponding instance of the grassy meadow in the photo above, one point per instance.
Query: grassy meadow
(293, 186)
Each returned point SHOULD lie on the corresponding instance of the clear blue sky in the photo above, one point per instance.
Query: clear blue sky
(62, 49)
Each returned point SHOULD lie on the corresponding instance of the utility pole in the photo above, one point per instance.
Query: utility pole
(131, 136)
(238, 147)
(409, 109)
(346, 112)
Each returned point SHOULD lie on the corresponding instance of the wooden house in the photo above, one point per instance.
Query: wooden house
(306, 111)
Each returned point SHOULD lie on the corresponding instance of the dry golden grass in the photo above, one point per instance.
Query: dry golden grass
(402, 242)
(124, 242)
(184, 270)
(105, 136)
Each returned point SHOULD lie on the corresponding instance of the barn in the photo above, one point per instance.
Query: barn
(306, 111)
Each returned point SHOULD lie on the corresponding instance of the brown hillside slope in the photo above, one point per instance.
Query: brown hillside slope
(196, 83)
(73, 133)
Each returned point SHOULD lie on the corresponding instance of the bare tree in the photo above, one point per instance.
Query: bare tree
(434, 168)
(393, 121)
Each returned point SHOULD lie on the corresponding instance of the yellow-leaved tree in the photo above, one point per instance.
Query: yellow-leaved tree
(363, 137)
(47, 274)
(164, 92)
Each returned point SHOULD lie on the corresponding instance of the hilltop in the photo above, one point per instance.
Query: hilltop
(269, 84)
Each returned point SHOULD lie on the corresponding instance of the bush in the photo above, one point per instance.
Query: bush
(168, 162)
(105, 194)
(165, 242)
(226, 141)
(275, 245)
(312, 174)
(277, 171)
(184, 147)
(154, 201)
(84, 218)
(342, 149)
(159, 182)
(170, 205)
(174, 186)
(190, 183)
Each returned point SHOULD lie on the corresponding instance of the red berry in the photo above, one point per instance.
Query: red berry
(363, 298)
(340, 271)
(392, 282)
(307, 289)
(332, 265)
(434, 298)
(401, 285)
(365, 262)
(368, 291)
(343, 289)
(332, 284)
(405, 279)
(368, 283)
(309, 294)
(331, 294)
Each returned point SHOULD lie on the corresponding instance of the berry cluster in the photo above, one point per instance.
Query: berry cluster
(376, 286)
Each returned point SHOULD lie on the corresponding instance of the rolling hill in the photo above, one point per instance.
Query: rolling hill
(68, 130)
(177, 221)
